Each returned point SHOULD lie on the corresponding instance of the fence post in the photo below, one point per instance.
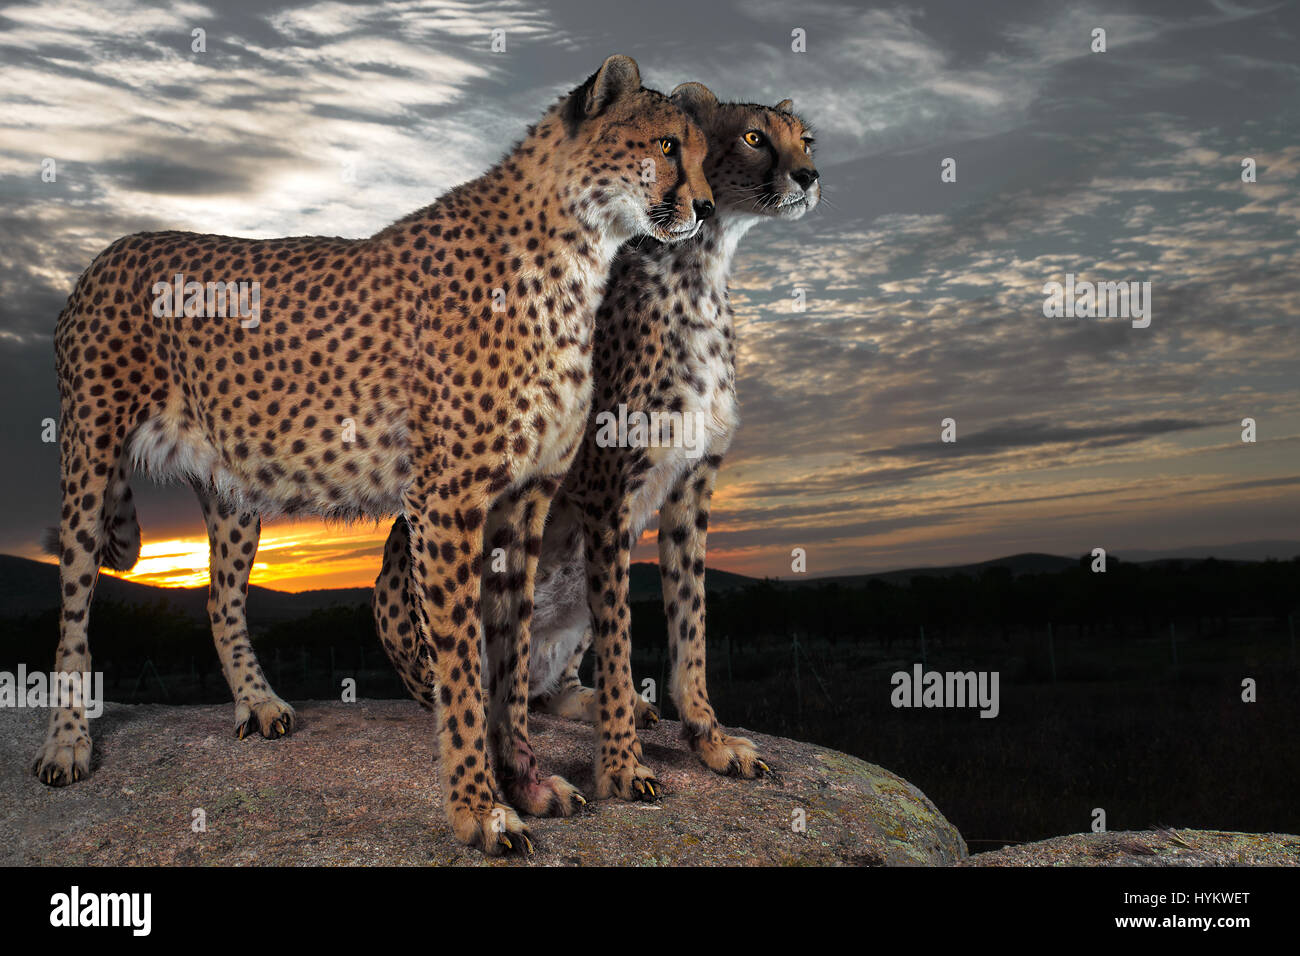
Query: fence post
(1051, 651)
(148, 666)
(798, 691)
(1173, 648)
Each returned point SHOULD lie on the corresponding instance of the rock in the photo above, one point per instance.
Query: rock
(356, 785)
(1150, 848)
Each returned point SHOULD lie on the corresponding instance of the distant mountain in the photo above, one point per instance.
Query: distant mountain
(1246, 551)
(1029, 563)
(1037, 563)
(29, 587)
(645, 581)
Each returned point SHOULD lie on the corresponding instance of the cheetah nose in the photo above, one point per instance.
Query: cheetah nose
(805, 177)
(703, 209)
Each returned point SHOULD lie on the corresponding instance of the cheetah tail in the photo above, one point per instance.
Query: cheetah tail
(121, 547)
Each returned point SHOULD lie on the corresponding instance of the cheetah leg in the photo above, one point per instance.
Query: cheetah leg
(516, 524)
(574, 701)
(232, 545)
(395, 621)
(683, 524)
(446, 568)
(619, 771)
(95, 527)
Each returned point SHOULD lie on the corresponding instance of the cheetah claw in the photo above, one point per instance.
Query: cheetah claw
(271, 717)
(524, 848)
(647, 715)
(644, 790)
(633, 781)
(62, 763)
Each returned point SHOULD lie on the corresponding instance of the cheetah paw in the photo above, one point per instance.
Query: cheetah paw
(551, 797)
(269, 716)
(496, 831)
(634, 781)
(647, 714)
(63, 760)
(730, 756)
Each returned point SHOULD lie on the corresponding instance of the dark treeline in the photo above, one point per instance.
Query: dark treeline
(1127, 601)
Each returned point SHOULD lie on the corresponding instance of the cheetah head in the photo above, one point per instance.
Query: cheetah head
(760, 157)
(638, 157)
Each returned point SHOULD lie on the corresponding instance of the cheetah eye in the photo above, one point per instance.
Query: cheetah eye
(807, 145)
(754, 138)
(669, 146)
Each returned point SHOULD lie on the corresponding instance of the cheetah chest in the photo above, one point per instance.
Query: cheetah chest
(703, 389)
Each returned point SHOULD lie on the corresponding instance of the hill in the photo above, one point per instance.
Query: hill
(29, 587)
(1017, 564)
(644, 585)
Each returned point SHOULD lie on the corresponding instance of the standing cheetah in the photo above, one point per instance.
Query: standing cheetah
(664, 342)
(439, 369)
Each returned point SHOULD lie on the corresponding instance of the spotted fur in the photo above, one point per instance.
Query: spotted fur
(382, 379)
(664, 342)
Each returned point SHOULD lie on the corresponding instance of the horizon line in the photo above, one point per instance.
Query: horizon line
(793, 578)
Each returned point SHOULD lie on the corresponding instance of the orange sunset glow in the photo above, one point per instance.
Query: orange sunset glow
(290, 557)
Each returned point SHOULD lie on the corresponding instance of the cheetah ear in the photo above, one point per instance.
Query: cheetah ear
(695, 98)
(785, 106)
(618, 76)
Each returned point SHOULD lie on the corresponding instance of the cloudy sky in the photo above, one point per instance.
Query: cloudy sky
(924, 299)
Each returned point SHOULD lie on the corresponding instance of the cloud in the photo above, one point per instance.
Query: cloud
(924, 298)
(1016, 435)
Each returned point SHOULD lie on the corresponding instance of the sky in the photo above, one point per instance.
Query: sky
(923, 300)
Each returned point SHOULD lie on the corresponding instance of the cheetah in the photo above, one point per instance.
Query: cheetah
(664, 341)
(439, 370)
